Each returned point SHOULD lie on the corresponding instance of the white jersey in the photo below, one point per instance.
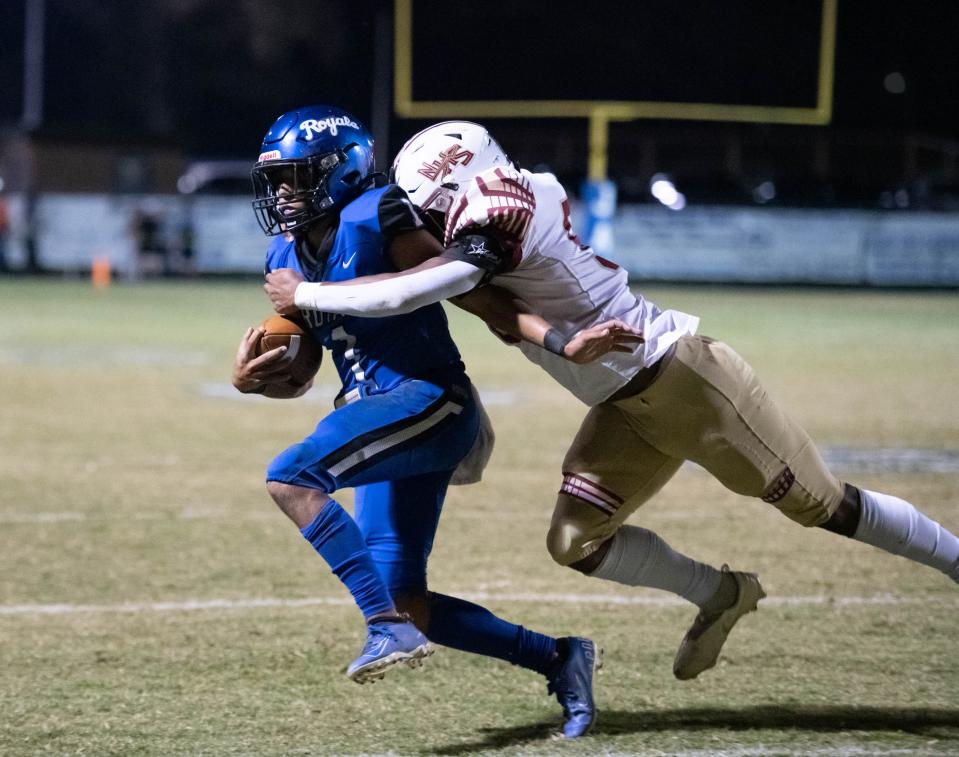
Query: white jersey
(561, 279)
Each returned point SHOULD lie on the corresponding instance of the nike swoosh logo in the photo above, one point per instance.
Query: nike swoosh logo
(346, 263)
(380, 646)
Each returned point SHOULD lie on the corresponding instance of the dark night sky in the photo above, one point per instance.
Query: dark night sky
(210, 75)
(747, 51)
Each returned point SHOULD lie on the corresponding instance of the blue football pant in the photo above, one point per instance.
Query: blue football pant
(398, 450)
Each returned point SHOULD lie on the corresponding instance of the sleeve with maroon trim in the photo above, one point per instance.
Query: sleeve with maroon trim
(396, 214)
(499, 204)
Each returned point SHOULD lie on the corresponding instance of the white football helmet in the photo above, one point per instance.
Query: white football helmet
(433, 164)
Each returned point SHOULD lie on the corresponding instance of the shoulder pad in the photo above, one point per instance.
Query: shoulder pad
(396, 213)
(499, 203)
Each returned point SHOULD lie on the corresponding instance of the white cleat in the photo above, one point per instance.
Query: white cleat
(704, 640)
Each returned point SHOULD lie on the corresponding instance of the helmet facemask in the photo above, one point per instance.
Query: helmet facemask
(306, 198)
(313, 161)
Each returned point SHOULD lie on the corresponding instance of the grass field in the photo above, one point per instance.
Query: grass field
(153, 601)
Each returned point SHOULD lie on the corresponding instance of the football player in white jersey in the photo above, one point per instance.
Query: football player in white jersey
(677, 396)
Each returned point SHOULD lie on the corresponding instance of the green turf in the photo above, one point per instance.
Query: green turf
(128, 479)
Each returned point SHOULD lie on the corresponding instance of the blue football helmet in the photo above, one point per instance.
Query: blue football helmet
(322, 155)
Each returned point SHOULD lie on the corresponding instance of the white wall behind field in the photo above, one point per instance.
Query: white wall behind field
(72, 229)
(713, 244)
(770, 245)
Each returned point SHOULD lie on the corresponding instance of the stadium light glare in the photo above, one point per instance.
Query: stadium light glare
(662, 189)
(764, 192)
(186, 185)
(894, 83)
(665, 191)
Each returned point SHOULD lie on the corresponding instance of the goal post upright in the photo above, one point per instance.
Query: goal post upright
(599, 113)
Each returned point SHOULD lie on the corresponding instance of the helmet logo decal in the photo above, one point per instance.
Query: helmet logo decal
(271, 155)
(312, 125)
(448, 158)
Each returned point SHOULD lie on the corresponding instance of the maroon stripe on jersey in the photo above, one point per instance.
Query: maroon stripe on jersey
(508, 204)
(606, 263)
(513, 222)
(454, 218)
(511, 188)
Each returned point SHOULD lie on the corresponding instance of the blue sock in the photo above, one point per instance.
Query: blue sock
(337, 538)
(462, 625)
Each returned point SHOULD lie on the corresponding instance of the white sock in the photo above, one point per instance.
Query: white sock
(638, 557)
(896, 526)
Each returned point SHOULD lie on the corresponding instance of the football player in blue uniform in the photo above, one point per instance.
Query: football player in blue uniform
(405, 418)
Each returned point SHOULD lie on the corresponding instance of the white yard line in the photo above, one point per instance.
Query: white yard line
(37, 518)
(478, 596)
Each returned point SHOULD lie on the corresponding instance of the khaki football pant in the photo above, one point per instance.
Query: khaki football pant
(706, 405)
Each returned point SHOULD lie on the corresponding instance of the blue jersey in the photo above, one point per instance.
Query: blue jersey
(373, 355)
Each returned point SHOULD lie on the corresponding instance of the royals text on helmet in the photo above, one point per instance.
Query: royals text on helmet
(313, 161)
(433, 164)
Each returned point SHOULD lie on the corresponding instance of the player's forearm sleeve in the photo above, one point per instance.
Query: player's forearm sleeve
(394, 296)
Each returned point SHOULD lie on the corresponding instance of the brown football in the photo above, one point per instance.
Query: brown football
(303, 353)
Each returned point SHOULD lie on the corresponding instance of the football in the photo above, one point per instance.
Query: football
(303, 354)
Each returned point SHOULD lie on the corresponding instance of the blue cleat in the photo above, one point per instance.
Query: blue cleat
(573, 686)
(389, 642)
